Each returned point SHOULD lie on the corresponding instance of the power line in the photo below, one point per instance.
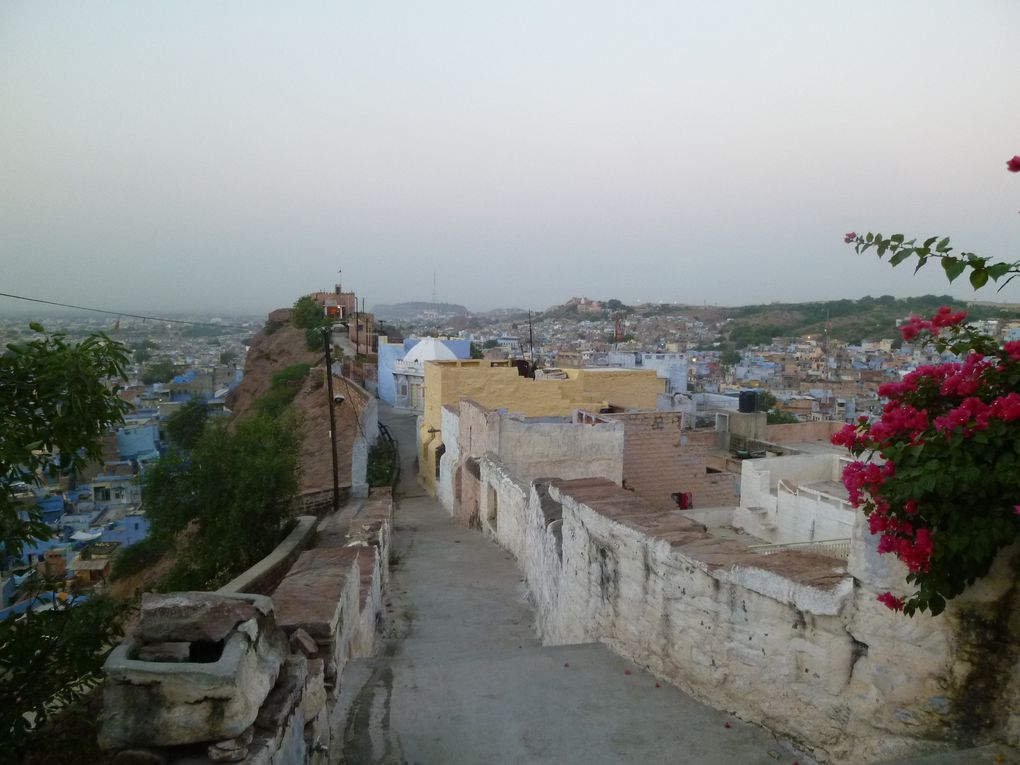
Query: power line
(122, 313)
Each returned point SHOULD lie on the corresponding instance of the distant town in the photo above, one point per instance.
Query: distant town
(804, 362)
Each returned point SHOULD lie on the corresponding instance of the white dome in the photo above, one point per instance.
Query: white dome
(429, 349)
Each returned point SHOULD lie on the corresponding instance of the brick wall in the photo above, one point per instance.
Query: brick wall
(802, 431)
(659, 460)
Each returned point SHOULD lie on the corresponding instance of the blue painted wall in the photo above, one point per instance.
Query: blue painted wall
(128, 531)
(389, 354)
(135, 440)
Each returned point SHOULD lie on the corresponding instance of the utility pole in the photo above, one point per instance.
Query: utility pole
(327, 342)
(531, 340)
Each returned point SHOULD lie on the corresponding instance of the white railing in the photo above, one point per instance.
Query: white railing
(833, 548)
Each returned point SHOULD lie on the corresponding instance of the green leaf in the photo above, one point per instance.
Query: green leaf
(943, 245)
(978, 278)
(36, 326)
(953, 267)
(896, 238)
(998, 270)
(900, 256)
(930, 241)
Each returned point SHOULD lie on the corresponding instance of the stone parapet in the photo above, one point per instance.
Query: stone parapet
(248, 678)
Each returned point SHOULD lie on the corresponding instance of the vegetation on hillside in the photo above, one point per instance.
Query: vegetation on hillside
(848, 320)
(158, 372)
(309, 316)
(184, 427)
(231, 494)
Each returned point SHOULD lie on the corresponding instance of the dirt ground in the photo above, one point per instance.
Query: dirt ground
(271, 353)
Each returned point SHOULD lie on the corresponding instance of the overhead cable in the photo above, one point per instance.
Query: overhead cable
(123, 313)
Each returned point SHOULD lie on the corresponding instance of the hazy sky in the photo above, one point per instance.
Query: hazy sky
(232, 156)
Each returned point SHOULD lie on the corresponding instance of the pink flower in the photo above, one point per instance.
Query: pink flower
(946, 318)
(1013, 165)
(849, 238)
(890, 601)
(848, 437)
(1016, 509)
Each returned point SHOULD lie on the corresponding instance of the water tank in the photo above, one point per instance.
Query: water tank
(748, 401)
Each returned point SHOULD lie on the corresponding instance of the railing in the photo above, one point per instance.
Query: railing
(391, 444)
(818, 496)
(832, 548)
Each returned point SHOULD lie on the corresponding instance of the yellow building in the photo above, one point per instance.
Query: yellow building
(498, 385)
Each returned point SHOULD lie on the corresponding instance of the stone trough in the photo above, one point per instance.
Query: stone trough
(197, 669)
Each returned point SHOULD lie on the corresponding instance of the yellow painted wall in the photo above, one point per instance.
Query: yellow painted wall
(496, 385)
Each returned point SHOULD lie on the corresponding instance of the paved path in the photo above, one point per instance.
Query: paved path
(462, 678)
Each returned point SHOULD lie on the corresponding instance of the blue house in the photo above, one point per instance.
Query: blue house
(129, 530)
(391, 353)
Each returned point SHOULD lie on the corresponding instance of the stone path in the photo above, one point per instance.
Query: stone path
(462, 678)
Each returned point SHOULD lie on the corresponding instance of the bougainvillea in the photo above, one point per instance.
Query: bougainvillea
(938, 475)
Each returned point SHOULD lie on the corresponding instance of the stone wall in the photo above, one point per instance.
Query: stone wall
(795, 641)
(233, 677)
(498, 385)
(529, 448)
(660, 459)
(365, 435)
(798, 432)
(796, 498)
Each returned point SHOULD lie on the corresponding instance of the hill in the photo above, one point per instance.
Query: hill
(414, 310)
(848, 320)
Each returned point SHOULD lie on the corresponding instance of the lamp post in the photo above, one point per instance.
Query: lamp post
(331, 401)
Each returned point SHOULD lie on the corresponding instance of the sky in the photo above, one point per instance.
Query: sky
(231, 156)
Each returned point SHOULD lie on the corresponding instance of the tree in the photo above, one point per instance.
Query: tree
(185, 426)
(55, 405)
(228, 357)
(476, 352)
(307, 313)
(236, 486)
(730, 355)
(160, 372)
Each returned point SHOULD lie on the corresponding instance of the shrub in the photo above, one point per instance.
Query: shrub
(284, 387)
(48, 660)
(943, 494)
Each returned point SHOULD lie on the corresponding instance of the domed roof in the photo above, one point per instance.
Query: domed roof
(429, 349)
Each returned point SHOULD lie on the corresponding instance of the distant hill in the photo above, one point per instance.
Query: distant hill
(869, 318)
(850, 320)
(407, 311)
